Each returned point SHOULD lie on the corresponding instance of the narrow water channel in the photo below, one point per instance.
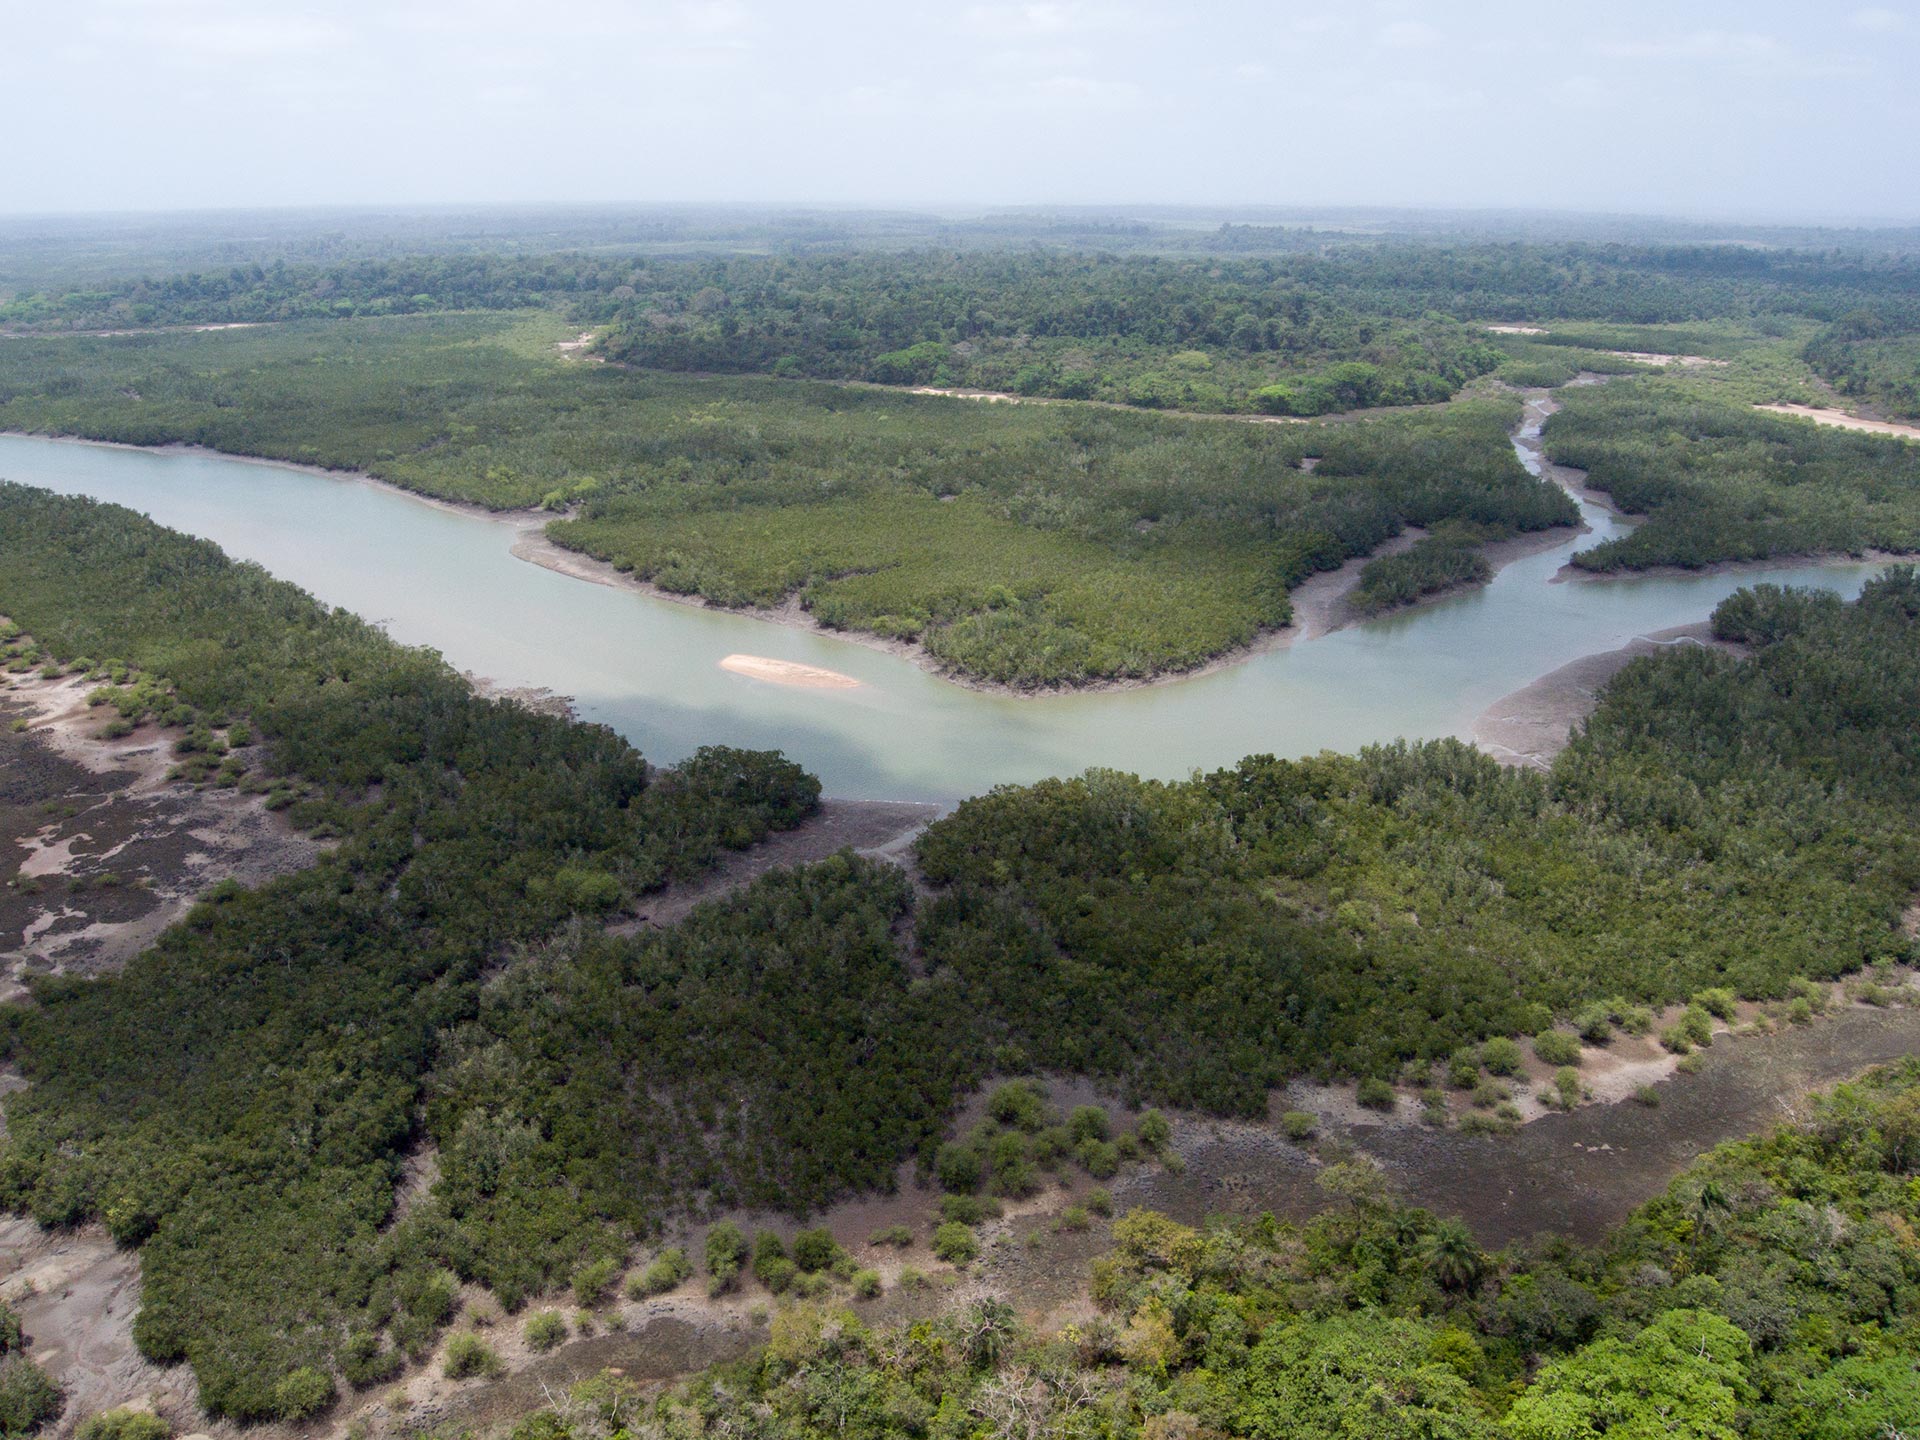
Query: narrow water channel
(651, 668)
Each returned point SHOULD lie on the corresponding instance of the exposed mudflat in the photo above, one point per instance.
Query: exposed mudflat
(100, 851)
(1533, 724)
(1572, 1174)
(76, 1293)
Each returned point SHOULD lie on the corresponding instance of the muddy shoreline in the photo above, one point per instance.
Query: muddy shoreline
(1530, 726)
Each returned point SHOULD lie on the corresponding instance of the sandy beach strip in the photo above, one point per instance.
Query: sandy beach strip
(1843, 420)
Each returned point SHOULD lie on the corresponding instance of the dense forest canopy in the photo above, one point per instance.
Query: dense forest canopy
(1029, 544)
(238, 1102)
(239, 1099)
(1318, 330)
(241, 1103)
(47, 253)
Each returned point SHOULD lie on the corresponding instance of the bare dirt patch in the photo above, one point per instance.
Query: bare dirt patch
(1654, 357)
(1843, 420)
(992, 397)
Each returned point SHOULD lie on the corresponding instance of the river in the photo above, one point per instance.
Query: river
(650, 668)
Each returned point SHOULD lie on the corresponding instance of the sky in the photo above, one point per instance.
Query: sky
(1761, 109)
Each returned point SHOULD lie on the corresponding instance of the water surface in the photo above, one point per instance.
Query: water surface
(650, 668)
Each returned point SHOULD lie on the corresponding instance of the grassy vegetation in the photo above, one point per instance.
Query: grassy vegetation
(1771, 1293)
(1025, 544)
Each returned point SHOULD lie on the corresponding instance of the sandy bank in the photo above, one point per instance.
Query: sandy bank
(787, 672)
(1843, 420)
(1655, 357)
(76, 1292)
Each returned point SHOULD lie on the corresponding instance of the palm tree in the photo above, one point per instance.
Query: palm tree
(1453, 1259)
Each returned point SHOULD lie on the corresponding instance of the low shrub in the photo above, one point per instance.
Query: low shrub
(1501, 1056)
(123, 1425)
(668, 1270)
(1594, 1023)
(1376, 1094)
(303, 1394)
(1697, 1022)
(814, 1250)
(545, 1330)
(1556, 1048)
(1718, 1002)
(955, 1243)
(467, 1356)
(592, 1281)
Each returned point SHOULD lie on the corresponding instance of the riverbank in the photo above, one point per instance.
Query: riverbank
(1319, 602)
(1320, 606)
(1532, 725)
(1574, 574)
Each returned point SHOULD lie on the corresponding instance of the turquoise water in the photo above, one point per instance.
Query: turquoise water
(650, 668)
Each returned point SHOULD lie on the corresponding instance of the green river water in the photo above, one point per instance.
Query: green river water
(650, 668)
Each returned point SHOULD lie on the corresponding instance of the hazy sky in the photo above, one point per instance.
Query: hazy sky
(1760, 108)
